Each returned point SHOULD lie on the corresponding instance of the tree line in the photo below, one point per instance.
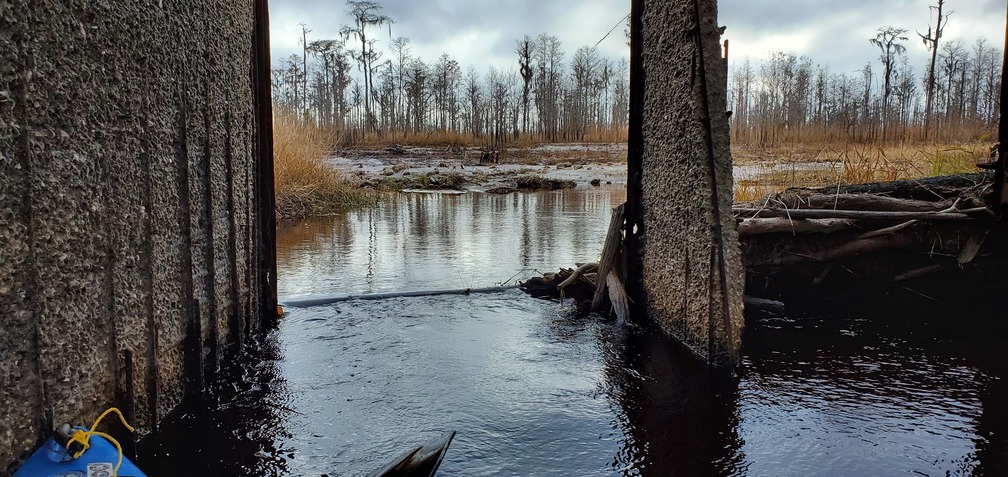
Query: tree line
(788, 98)
(395, 94)
(365, 87)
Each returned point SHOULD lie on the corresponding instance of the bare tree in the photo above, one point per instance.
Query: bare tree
(304, 62)
(931, 42)
(548, 56)
(980, 50)
(583, 82)
(865, 114)
(906, 94)
(621, 97)
(474, 97)
(365, 13)
(447, 75)
(417, 94)
(524, 50)
(401, 56)
(499, 102)
(952, 58)
(333, 80)
(887, 39)
(741, 90)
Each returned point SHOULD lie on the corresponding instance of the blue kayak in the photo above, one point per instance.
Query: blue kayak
(99, 460)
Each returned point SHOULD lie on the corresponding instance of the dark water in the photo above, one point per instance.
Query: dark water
(536, 390)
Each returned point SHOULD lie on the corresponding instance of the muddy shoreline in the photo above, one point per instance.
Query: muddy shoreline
(541, 167)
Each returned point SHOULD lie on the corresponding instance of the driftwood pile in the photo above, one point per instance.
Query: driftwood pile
(593, 286)
(930, 238)
(915, 236)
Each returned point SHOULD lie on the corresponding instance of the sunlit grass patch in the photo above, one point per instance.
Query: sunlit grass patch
(304, 184)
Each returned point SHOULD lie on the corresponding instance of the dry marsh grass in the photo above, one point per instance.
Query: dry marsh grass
(304, 184)
(776, 169)
(436, 139)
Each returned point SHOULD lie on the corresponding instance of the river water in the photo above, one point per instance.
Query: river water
(534, 389)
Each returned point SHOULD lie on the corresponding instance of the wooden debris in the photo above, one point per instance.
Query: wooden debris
(777, 225)
(613, 243)
(581, 270)
(618, 297)
(806, 243)
(971, 249)
(953, 214)
(888, 230)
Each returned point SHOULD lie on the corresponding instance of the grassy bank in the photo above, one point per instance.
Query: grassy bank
(305, 185)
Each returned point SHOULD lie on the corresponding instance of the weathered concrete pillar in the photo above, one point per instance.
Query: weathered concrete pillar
(127, 209)
(680, 191)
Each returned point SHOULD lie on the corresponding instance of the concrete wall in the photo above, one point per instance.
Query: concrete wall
(689, 232)
(126, 205)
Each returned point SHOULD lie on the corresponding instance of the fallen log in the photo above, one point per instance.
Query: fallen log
(927, 189)
(859, 214)
(776, 225)
(888, 230)
(809, 199)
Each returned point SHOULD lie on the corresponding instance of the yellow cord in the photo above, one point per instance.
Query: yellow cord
(118, 448)
(84, 437)
(119, 413)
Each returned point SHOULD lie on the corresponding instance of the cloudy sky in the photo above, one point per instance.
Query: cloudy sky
(483, 33)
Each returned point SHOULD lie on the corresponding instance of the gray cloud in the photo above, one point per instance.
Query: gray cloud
(837, 33)
(475, 33)
(483, 33)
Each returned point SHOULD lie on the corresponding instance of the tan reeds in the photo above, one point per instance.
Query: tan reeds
(305, 184)
(779, 168)
(446, 138)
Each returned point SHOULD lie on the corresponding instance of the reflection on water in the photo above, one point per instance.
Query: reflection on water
(535, 390)
(430, 241)
(238, 429)
(676, 416)
(883, 392)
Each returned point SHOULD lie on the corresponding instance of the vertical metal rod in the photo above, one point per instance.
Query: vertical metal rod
(147, 265)
(42, 421)
(154, 381)
(129, 391)
(209, 231)
(717, 236)
(635, 154)
(726, 58)
(193, 355)
(128, 402)
(1000, 173)
(235, 332)
(262, 90)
